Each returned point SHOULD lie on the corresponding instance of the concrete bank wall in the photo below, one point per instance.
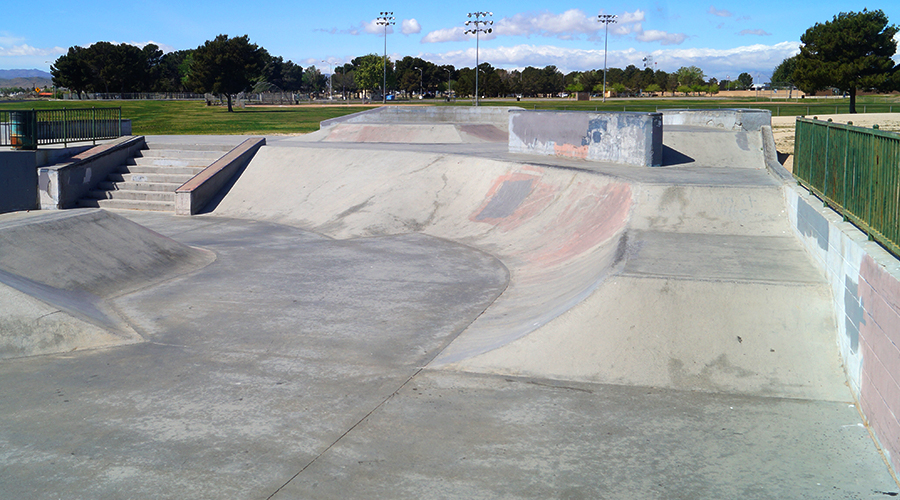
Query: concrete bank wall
(619, 137)
(865, 281)
(494, 115)
(730, 119)
(60, 186)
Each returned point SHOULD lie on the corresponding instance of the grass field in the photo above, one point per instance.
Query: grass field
(194, 117)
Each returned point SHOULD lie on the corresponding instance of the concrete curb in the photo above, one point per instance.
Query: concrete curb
(191, 196)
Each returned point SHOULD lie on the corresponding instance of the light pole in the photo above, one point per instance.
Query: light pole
(421, 92)
(449, 75)
(478, 27)
(385, 19)
(330, 81)
(606, 19)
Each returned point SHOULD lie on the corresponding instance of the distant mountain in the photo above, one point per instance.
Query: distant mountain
(9, 74)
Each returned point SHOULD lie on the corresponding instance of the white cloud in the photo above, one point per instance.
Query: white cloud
(570, 25)
(720, 13)
(410, 27)
(755, 32)
(7, 39)
(754, 59)
(372, 27)
(166, 48)
(662, 37)
(25, 50)
(445, 35)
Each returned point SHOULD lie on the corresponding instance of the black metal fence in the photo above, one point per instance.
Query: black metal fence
(28, 129)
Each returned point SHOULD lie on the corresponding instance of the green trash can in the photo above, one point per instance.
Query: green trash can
(22, 131)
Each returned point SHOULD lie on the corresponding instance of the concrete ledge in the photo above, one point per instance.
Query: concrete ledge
(865, 285)
(61, 185)
(620, 137)
(191, 196)
(729, 119)
(495, 115)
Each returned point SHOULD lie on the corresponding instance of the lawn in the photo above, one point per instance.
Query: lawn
(195, 117)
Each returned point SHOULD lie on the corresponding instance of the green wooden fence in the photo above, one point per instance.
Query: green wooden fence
(856, 171)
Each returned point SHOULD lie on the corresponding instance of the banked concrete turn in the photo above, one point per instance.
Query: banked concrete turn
(684, 277)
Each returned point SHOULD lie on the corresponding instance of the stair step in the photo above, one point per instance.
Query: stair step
(125, 194)
(157, 206)
(191, 170)
(152, 178)
(173, 162)
(192, 148)
(138, 186)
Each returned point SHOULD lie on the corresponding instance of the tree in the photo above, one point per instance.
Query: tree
(851, 52)
(690, 76)
(745, 81)
(70, 71)
(226, 66)
(783, 75)
(368, 72)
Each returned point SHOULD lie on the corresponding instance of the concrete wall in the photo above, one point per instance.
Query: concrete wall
(865, 281)
(495, 115)
(630, 138)
(18, 181)
(61, 185)
(729, 119)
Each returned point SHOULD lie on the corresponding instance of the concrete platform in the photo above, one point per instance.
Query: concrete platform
(455, 321)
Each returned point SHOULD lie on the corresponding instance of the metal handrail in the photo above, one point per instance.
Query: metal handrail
(27, 129)
(855, 171)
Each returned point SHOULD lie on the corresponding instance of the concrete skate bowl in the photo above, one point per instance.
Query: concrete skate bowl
(61, 271)
(558, 232)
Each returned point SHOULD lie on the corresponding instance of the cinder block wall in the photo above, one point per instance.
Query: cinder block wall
(865, 280)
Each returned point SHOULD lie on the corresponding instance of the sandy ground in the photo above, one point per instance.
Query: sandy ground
(783, 130)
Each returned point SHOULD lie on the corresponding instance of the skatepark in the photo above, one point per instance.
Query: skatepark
(429, 306)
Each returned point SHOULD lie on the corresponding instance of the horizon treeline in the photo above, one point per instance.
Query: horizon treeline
(108, 68)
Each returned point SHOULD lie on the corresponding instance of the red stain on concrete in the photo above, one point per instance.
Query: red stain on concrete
(590, 214)
(594, 214)
(541, 195)
(570, 151)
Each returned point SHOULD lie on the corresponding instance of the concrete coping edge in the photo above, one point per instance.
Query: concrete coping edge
(99, 151)
(222, 163)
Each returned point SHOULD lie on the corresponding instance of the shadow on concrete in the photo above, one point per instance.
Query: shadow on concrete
(673, 157)
(214, 202)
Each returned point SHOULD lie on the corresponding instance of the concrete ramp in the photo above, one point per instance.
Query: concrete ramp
(695, 286)
(407, 133)
(557, 232)
(58, 271)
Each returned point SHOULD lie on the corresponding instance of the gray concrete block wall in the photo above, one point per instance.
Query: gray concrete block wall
(728, 119)
(618, 137)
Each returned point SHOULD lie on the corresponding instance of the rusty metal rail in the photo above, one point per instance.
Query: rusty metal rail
(856, 171)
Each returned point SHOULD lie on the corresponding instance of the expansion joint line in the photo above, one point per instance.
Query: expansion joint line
(348, 431)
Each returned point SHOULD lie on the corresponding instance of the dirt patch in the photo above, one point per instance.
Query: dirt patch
(783, 130)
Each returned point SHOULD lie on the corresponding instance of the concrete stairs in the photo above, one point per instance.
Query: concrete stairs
(149, 180)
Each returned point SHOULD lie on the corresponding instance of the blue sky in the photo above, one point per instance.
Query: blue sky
(723, 38)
